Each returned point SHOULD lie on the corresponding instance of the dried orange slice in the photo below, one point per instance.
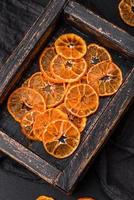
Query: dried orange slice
(105, 78)
(67, 70)
(27, 124)
(61, 138)
(44, 198)
(45, 118)
(24, 99)
(96, 54)
(80, 123)
(44, 62)
(81, 100)
(70, 46)
(126, 9)
(52, 93)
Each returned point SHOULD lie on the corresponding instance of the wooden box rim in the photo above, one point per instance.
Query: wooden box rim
(67, 178)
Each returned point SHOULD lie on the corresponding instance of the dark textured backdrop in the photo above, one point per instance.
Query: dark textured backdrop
(111, 175)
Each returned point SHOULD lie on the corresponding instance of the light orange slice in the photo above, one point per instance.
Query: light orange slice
(81, 100)
(105, 78)
(44, 198)
(126, 9)
(70, 46)
(66, 70)
(61, 138)
(23, 100)
(53, 93)
(96, 54)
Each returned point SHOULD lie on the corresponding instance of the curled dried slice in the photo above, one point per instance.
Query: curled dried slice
(105, 78)
(53, 93)
(67, 70)
(70, 46)
(45, 118)
(23, 100)
(126, 9)
(45, 59)
(27, 124)
(80, 123)
(44, 198)
(96, 54)
(61, 138)
(81, 100)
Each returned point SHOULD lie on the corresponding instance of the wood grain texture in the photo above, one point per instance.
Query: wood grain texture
(99, 126)
(106, 32)
(28, 159)
(99, 134)
(29, 46)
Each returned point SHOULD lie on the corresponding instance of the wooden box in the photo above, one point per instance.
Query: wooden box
(58, 18)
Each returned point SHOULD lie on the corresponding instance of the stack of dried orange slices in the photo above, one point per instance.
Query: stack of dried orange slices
(53, 104)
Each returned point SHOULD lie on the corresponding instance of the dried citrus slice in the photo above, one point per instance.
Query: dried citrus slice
(81, 100)
(70, 46)
(24, 99)
(45, 118)
(96, 54)
(80, 123)
(53, 93)
(105, 78)
(44, 198)
(27, 124)
(67, 70)
(126, 9)
(61, 138)
(44, 62)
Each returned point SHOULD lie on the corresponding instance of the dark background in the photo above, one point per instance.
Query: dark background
(112, 173)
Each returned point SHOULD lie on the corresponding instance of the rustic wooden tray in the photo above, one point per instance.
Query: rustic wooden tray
(63, 17)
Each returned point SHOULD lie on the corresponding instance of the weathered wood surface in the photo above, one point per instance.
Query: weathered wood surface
(29, 46)
(100, 125)
(99, 134)
(105, 31)
(28, 159)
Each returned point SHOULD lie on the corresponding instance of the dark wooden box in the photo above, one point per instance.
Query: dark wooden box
(63, 17)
